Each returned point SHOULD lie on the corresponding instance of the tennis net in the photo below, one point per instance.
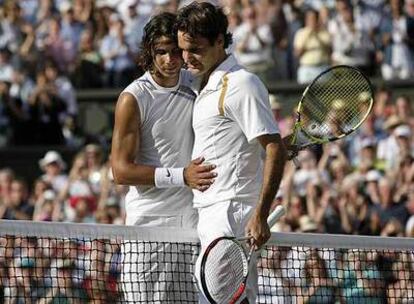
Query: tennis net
(81, 263)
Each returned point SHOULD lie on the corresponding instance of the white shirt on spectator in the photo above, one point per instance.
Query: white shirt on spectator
(256, 52)
(350, 47)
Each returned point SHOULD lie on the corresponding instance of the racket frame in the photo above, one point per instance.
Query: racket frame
(315, 140)
(274, 216)
(239, 292)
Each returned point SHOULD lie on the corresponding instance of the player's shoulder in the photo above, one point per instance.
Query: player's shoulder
(243, 81)
(141, 83)
(140, 87)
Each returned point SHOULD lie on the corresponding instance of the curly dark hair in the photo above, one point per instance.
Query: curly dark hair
(161, 25)
(205, 20)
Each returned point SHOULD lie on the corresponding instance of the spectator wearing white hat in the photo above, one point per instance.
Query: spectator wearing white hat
(53, 167)
(405, 146)
(388, 149)
(282, 122)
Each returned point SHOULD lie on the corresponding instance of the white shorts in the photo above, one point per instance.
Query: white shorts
(159, 272)
(188, 219)
(226, 219)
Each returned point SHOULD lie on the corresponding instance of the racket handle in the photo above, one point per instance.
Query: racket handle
(276, 215)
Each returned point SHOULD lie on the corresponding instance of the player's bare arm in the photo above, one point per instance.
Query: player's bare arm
(126, 142)
(272, 175)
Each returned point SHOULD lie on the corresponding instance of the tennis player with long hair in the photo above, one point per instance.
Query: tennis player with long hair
(151, 147)
(233, 126)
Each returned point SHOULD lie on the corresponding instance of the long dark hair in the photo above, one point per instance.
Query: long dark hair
(205, 20)
(160, 25)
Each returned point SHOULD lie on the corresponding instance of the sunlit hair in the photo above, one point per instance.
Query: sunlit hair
(205, 20)
(161, 25)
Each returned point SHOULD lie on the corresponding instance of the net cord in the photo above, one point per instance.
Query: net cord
(167, 234)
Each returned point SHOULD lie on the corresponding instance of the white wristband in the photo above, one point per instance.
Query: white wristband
(169, 177)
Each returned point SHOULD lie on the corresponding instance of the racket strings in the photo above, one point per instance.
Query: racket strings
(336, 103)
(225, 268)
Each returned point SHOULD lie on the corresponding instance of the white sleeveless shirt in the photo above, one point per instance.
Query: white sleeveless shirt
(166, 141)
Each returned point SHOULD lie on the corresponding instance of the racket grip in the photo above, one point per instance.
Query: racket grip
(276, 215)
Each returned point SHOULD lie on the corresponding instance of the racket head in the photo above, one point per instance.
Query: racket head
(223, 270)
(334, 105)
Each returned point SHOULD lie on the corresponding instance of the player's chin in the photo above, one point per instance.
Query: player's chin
(172, 72)
(194, 71)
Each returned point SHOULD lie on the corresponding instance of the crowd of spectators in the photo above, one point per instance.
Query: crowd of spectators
(361, 185)
(49, 48)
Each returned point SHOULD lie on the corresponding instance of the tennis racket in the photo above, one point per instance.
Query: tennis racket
(225, 265)
(333, 106)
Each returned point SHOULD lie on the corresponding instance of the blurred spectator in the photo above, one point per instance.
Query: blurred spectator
(89, 65)
(82, 10)
(18, 206)
(45, 109)
(62, 51)
(361, 281)
(402, 289)
(351, 45)
(274, 15)
(16, 122)
(21, 86)
(388, 147)
(404, 142)
(6, 69)
(134, 25)
(396, 55)
(28, 51)
(10, 27)
(94, 162)
(65, 291)
(282, 122)
(368, 154)
(28, 288)
(62, 87)
(403, 109)
(313, 48)
(318, 287)
(371, 13)
(45, 207)
(71, 27)
(6, 179)
(4, 113)
(53, 167)
(307, 173)
(253, 44)
(77, 198)
(380, 192)
(118, 63)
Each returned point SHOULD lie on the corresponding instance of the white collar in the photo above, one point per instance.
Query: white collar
(217, 75)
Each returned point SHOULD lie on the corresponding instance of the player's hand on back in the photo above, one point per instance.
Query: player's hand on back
(199, 175)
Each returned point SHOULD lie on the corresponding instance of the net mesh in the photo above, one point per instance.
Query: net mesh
(69, 263)
(336, 103)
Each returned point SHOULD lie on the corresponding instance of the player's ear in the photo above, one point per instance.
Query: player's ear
(220, 40)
